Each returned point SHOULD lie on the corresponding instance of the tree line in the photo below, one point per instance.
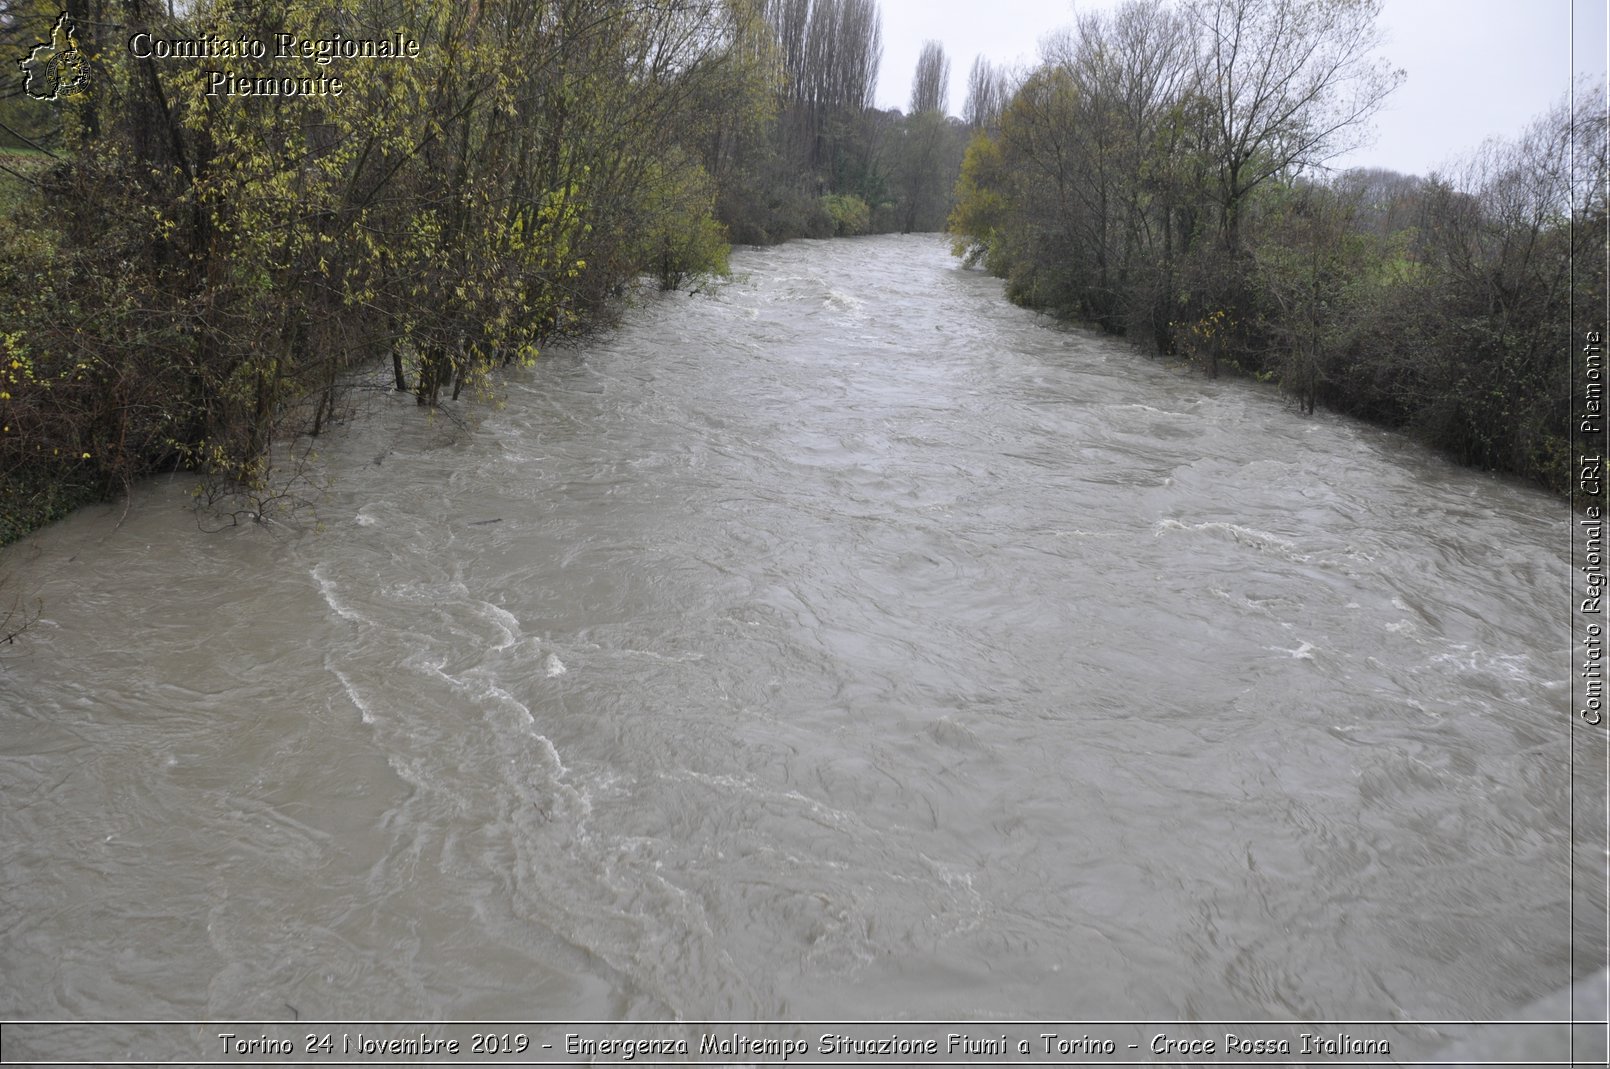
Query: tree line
(828, 161)
(193, 275)
(1160, 174)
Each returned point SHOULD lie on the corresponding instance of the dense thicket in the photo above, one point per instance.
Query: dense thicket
(191, 270)
(1160, 175)
(198, 269)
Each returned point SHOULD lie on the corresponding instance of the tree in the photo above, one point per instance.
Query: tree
(1311, 264)
(1161, 173)
(820, 137)
(987, 92)
(930, 86)
(1289, 83)
(931, 148)
(229, 257)
(979, 218)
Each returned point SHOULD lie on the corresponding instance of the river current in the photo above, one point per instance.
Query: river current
(841, 642)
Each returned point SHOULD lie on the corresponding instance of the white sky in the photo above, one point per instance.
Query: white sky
(1476, 68)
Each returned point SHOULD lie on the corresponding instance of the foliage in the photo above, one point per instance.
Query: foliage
(981, 201)
(199, 271)
(1159, 174)
(813, 144)
(850, 214)
(680, 239)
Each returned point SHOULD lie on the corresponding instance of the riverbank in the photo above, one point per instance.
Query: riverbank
(30, 499)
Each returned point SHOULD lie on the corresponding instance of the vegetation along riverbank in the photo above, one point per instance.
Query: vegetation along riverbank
(203, 237)
(1160, 174)
(194, 267)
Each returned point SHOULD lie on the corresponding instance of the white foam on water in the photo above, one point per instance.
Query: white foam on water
(484, 691)
(502, 619)
(553, 666)
(1514, 666)
(680, 658)
(427, 593)
(845, 301)
(1304, 652)
(327, 590)
(522, 710)
(353, 695)
(1264, 541)
(749, 786)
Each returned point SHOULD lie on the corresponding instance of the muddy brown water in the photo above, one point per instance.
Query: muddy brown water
(849, 643)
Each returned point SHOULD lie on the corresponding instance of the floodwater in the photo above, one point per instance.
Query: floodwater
(840, 643)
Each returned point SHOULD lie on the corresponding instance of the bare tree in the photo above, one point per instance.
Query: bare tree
(828, 52)
(987, 92)
(930, 88)
(860, 53)
(1290, 83)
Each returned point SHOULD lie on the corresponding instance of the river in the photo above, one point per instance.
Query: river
(842, 642)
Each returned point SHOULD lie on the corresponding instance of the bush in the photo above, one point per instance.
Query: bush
(850, 214)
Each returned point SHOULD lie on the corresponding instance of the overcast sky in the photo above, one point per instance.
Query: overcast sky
(1476, 68)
